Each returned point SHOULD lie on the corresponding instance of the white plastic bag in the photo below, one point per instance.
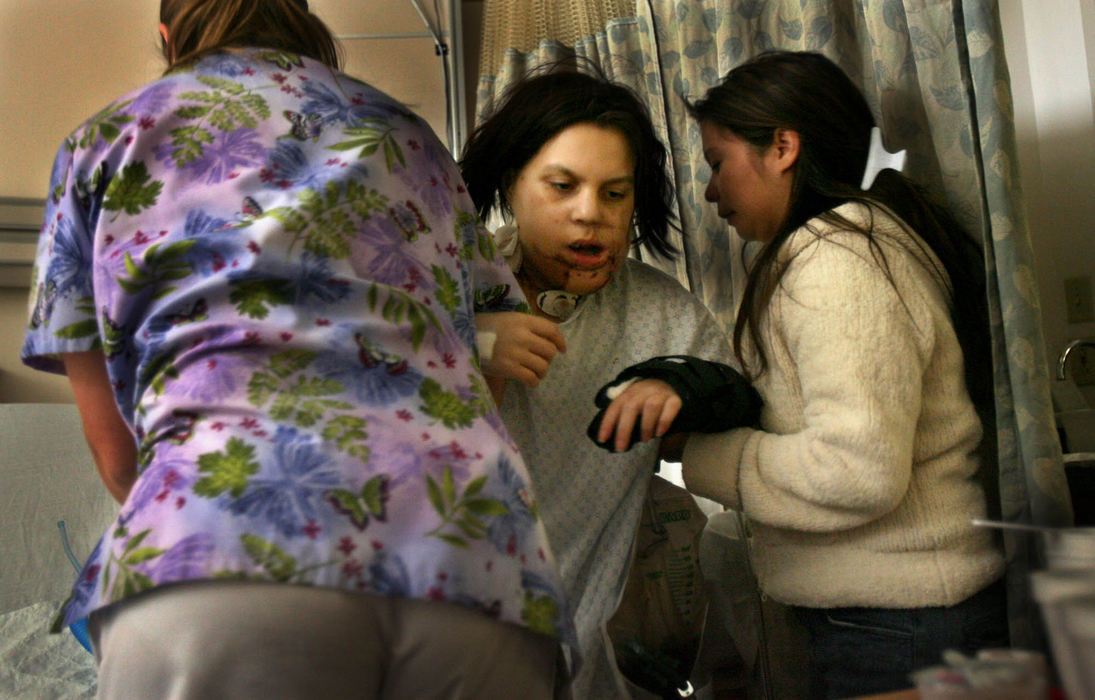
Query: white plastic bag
(655, 632)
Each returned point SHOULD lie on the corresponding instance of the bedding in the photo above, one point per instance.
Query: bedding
(47, 476)
(37, 664)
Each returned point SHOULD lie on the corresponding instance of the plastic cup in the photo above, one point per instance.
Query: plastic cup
(980, 680)
(1034, 661)
(1070, 548)
(1067, 600)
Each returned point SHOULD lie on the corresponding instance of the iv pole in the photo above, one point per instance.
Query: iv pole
(452, 66)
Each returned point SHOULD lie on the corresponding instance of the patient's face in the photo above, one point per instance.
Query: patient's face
(572, 204)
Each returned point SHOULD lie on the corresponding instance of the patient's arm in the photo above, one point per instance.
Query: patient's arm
(672, 394)
(521, 345)
(112, 444)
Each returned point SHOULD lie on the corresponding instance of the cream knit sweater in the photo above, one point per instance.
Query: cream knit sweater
(860, 486)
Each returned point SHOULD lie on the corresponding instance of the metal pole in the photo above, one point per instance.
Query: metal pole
(449, 62)
(457, 111)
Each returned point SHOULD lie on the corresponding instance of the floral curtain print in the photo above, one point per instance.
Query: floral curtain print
(935, 74)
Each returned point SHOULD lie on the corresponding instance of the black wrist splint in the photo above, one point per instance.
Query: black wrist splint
(714, 396)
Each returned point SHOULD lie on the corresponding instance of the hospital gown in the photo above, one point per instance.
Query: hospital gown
(591, 499)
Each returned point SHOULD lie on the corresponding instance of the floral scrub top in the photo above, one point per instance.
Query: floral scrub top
(280, 264)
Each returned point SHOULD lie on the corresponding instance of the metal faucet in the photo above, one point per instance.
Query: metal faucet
(1062, 361)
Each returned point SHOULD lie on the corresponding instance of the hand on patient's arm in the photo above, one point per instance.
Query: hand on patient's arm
(692, 395)
(649, 403)
(112, 444)
(524, 345)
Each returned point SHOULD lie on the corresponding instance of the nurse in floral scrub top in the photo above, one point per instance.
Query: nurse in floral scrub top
(260, 276)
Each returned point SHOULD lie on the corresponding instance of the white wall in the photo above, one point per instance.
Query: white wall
(1052, 63)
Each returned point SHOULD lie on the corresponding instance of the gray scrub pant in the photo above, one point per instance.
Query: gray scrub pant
(214, 640)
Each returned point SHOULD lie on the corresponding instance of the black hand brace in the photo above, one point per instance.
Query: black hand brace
(714, 396)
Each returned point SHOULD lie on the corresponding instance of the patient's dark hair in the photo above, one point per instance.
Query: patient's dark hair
(197, 28)
(544, 104)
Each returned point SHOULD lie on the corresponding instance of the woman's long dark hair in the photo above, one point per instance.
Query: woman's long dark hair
(809, 94)
(539, 107)
(197, 28)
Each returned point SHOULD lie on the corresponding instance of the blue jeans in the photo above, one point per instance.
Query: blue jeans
(860, 651)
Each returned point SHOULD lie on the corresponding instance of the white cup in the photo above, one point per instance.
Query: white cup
(980, 680)
(1067, 600)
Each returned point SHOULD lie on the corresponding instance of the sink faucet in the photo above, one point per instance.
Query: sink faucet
(1062, 361)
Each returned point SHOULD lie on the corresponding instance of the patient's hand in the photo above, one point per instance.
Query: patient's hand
(649, 404)
(524, 345)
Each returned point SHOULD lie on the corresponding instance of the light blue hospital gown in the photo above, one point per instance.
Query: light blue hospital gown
(591, 499)
(280, 264)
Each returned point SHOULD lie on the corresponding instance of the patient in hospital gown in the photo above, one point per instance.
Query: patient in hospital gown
(575, 160)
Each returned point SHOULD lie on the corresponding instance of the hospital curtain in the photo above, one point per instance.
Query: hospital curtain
(935, 74)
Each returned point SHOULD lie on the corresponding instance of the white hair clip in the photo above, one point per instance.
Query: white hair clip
(878, 159)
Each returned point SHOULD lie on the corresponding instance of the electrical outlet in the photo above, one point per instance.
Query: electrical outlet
(1081, 366)
(1079, 301)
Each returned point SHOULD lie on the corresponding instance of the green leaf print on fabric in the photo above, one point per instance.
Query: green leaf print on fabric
(300, 401)
(113, 337)
(254, 298)
(132, 190)
(489, 297)
(371, 502)
(177, 432)
(484, 241)
(181, 428)
(348, 433)
(540, 613)
(285, 363)
(158, 372)
(283, 59)
(159, 264)
(107, 125)
(90, 187)
(280, 566)
(398, 307)
(328, 220)
(448, 293)
(482, 400)
(226, 471)
(127, 580)
(445, 406)
(81, 329)
(371, 135)
(227, 106)
(189, 143)
(486, 245)
(466, 512)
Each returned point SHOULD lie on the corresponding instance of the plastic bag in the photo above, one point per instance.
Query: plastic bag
(656, 629)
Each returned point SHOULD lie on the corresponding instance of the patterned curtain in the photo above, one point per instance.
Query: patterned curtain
(935, 74)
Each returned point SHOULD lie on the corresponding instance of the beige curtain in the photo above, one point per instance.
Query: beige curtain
(520, 25)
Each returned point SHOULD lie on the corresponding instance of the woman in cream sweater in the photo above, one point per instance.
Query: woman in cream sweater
(864, 327)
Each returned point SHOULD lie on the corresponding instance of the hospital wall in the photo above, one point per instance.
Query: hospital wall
(1050, 47)
(62, 60)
